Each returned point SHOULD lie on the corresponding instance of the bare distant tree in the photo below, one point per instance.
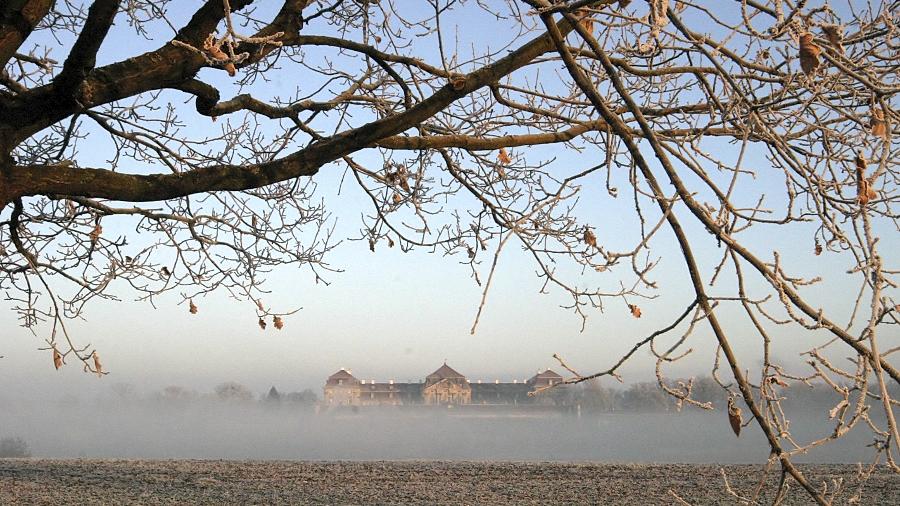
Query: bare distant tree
(13, 447)
(714, 126)
(176, 394)
(232, 391)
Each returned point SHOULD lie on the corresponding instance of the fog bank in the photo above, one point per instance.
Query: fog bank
(253, 430)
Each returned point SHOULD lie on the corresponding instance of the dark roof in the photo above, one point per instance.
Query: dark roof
(342, 374)
(546, 375)
(445, 372)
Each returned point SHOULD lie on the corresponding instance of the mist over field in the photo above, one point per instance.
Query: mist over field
(207, 429)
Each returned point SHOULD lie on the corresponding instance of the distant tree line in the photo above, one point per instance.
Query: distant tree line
(649, 396)
(590, 396)
(229, 391)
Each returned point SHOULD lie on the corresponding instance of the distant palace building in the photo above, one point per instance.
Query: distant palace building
(445, 386)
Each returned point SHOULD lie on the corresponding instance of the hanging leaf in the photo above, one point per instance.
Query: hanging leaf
(809, 54)
(835, 36)
(57, 359)
(192, 307)
(734, 417)
(818, 249)
(503, 157)
(589, 238)
(864, 191)
(95, 233)
(397, 199)
(215, 52)
(635, 311)
(878, 124)
(278, 322)
(262, 324)
(259, 304)
(586, 21)
(98, 367)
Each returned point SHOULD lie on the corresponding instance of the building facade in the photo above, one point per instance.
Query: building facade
(445, 386)
(342, 389)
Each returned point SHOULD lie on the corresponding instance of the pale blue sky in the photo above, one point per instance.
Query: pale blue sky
(392, 315)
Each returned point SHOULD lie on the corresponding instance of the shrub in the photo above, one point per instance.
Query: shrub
(13, 447)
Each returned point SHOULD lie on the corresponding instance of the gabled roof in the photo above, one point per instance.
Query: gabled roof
(343, 374)
(444, 372)
(546, 376)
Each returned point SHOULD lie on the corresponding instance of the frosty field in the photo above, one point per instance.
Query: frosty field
(404, 482)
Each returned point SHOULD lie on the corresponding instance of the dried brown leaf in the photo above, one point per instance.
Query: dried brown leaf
(864, 190)
(57, 359)
(589, 238)
(98, 367)
(635, 310)
(878, 124)
(397, 199)
(96, 232)
(278, 322)
(216, 53)
(809, 54)
(262, 324)
(734, 417)
(835, 36)
(586, 21)
(192, 307)
(503, 157)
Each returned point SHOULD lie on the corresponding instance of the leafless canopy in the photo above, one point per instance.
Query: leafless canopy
(715, 125)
